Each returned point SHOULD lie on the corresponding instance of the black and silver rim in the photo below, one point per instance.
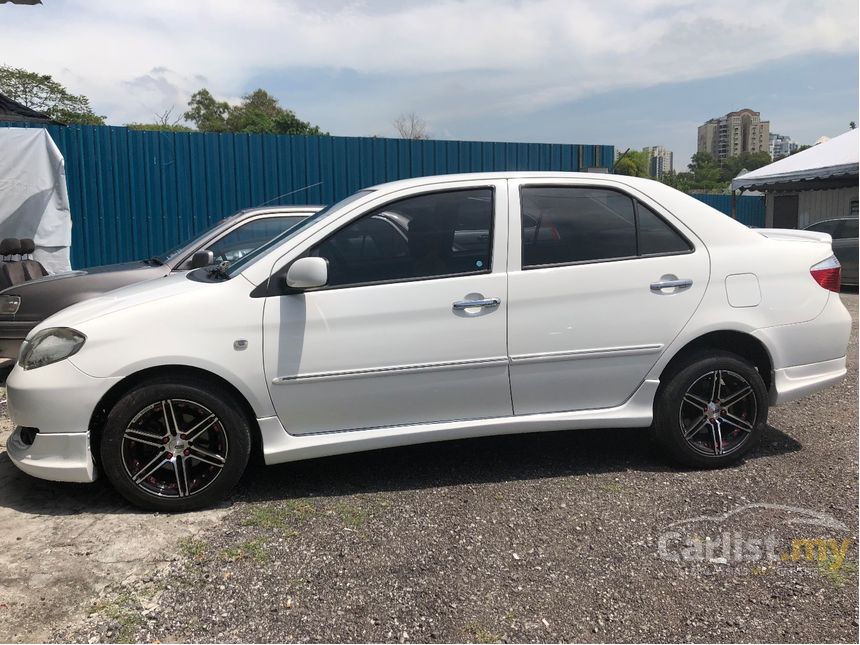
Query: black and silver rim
(174, 448)
(718, 413)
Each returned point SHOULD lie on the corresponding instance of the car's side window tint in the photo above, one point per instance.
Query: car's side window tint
(426, 236)
(249, 236)
(656, 236)
(569, 224)
(848, 229)
(828, 227)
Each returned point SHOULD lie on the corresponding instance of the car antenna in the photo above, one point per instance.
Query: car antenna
(617, 161)
(292, 192)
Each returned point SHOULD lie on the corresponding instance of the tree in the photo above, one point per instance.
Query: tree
(411, 126)
(852, 125)
(163, 123)
(259, 111)
(42, 93)
(207, 114)
(633, 163)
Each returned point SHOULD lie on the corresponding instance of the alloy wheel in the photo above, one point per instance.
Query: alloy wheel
(718, 413)
(174, 448)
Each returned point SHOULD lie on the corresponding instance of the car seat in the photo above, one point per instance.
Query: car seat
(11, 270)
(32, 268)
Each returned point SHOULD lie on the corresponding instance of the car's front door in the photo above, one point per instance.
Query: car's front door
(600, 283)
(411, 325)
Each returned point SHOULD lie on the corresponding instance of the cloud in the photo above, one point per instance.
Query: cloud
(442, 59)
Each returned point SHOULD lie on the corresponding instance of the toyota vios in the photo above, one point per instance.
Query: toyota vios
(432, 309)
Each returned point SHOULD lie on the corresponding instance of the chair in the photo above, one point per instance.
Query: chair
(11, 270)
(32, 268)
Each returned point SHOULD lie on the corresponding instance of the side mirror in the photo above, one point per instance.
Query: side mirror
(202, 259)
(307, 273)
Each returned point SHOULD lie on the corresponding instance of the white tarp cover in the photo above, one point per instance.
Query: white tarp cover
(839, 156)
(34, 200)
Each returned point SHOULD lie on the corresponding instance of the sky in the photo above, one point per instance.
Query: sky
(630, 74)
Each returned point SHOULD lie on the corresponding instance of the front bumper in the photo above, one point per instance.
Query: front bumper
(59, 456)
(59, 401)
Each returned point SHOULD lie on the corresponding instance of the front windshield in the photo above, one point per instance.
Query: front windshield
(193, 244)
(245, 260)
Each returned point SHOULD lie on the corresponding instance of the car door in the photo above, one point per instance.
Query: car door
(601, 280)
(409, 329)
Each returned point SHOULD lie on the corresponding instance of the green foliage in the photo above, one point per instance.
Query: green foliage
(207, 114)
(258, 112)
(159, 127)
(42, 93)
(634, 163)
(706, 173)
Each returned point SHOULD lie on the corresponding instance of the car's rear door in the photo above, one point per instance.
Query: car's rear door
(601, 279)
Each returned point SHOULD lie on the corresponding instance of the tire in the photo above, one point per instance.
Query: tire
(695, 430)
(158, 467)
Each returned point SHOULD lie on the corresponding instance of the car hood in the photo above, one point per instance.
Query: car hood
(135, 271)
(171, 286)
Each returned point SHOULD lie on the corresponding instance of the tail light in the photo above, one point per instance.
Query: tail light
(828, 273)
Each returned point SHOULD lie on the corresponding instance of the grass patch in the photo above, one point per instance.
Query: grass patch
(248, 550)
(352, 516)
(193, 548)
(123, 611)
(280, 516)
(837, 576)
(481, 634)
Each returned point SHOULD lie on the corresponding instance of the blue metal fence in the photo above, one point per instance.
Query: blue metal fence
(750, 208)
(137, 193)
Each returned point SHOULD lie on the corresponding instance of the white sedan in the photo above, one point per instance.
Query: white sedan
(430, 309)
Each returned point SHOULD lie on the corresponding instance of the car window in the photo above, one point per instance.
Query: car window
(848, 229)
(247, 237)
(828, 227)
(656, 236)
(569, 224)
(426, 236)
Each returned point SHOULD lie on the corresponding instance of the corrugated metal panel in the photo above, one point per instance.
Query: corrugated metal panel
(750, 208)
(135, 194)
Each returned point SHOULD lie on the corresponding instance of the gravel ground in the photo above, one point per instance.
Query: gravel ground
(553, 537)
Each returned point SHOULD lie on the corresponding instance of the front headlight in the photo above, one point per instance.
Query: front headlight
(49, 346)
(9, 304)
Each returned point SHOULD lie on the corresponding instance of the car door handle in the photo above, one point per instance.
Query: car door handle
(670, 284)
(469, 304)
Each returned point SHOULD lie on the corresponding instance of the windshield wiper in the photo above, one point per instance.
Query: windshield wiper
(154, 261)
(219, 271)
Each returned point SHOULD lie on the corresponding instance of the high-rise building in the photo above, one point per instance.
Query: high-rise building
(733, 134)
(781, 145)
(659, 160)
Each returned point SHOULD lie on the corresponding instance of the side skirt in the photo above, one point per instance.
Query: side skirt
(279, 446)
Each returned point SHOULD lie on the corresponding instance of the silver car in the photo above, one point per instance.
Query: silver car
(844, 233)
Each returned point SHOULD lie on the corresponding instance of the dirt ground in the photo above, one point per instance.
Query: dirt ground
(570, 536)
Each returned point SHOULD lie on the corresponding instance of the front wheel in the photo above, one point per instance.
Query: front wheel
(711, 411)
(175, 445)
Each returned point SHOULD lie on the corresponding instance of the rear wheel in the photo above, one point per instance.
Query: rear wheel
(175, 445)
(712, 410)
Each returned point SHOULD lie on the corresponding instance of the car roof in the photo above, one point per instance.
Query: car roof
(264, 210)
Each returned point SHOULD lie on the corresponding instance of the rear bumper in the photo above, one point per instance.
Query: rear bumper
(59, 456)
(792, 383)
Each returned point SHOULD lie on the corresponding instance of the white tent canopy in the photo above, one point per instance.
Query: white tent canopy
(832, 159)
